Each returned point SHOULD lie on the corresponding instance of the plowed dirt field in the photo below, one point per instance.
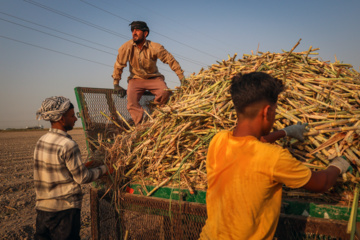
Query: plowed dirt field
(17, 195)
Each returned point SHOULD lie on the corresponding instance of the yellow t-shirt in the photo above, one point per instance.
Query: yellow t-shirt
(245, 178)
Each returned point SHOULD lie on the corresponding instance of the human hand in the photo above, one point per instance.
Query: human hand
(109, 169)
(341, 163)
(119, 90)
(89, 164)
(296, 131)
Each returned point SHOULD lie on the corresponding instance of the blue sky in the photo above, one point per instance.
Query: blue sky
(47, 48)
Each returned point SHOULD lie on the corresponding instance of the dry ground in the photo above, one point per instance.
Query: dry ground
(17, 196)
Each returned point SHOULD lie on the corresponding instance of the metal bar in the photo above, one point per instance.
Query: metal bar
(94, 213)
(80, 102)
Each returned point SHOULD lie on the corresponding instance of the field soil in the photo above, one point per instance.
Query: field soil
(17, 194)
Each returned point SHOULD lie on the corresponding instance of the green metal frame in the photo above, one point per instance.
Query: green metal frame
(291, 207)
(81, 103)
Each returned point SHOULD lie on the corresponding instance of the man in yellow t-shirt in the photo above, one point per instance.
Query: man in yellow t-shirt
(245, 174)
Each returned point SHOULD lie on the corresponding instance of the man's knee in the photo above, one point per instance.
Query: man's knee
(162, 97)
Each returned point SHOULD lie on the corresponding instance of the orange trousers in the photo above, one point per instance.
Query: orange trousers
(135, 90)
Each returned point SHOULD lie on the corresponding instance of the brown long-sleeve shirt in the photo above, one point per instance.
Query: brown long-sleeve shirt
(143, 61)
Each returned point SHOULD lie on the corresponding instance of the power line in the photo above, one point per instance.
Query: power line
(52, 29)
(66, 54)
(62, 37)
(78, 19)
(102, 28)
(176, 55)
(67, 40)
(197, 31)
(48, 49)
(99, 27)
(56, 36)
(184, 44)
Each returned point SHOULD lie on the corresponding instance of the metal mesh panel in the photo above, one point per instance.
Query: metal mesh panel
(108, 220)
(154, 218)
(95, 101)
(141, 217)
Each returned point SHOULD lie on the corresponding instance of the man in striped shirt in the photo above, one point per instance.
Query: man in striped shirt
(58, 173)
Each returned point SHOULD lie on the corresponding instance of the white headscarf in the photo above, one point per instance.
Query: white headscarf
(53, 108)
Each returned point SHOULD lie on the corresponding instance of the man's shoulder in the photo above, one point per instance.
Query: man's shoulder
(221, 134)
(271, 147)
(127, 44)
(154, 44)
(57, 138)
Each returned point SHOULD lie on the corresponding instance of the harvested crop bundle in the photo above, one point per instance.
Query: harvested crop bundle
(170, 147)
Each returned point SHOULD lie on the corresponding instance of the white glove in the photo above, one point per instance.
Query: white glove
(119, 90)
(341, 164)
(296, 131)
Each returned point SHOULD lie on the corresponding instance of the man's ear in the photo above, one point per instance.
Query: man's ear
(146, 33)
(266, 112)
(62, 120)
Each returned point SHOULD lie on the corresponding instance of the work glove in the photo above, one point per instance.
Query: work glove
(109, 170)
(89, 164)
(119, 90)
(341, 163)
(296, 131)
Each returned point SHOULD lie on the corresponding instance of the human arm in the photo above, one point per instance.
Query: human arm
(80, 173)
(273, 136)
(294, 174)
(296, 131)
(120, 63)
(321, 181)
(168, 58)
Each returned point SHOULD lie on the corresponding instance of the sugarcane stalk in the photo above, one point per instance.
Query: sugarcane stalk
(351, 227)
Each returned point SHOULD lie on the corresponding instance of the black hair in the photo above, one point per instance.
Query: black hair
(71, 106)
(254, 87)
(139, 25)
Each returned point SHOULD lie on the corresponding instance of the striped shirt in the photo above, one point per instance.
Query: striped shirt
(59, 171)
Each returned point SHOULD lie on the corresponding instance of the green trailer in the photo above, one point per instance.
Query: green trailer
(172, 213)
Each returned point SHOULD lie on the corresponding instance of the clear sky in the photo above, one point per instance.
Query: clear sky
(47, 48)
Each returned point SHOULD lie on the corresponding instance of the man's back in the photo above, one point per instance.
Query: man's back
(245, 179)
(54, 185)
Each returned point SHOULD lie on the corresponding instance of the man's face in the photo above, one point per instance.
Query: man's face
(138, 36)
(69, 119)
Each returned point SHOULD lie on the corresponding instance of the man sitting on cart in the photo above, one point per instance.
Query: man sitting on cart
(142, 55)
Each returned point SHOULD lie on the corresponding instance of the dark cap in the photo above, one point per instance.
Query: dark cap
(139, 25)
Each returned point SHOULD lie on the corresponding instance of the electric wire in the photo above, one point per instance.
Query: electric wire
(115, 33)
(67, 40)
(78, 19)
(127, 20)
(27, 21)
(57, 36)
(184, 44)
(52, 29)
(70, 55)
(52, 50)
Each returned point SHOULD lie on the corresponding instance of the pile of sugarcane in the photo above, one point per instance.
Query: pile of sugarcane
(170, 147)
